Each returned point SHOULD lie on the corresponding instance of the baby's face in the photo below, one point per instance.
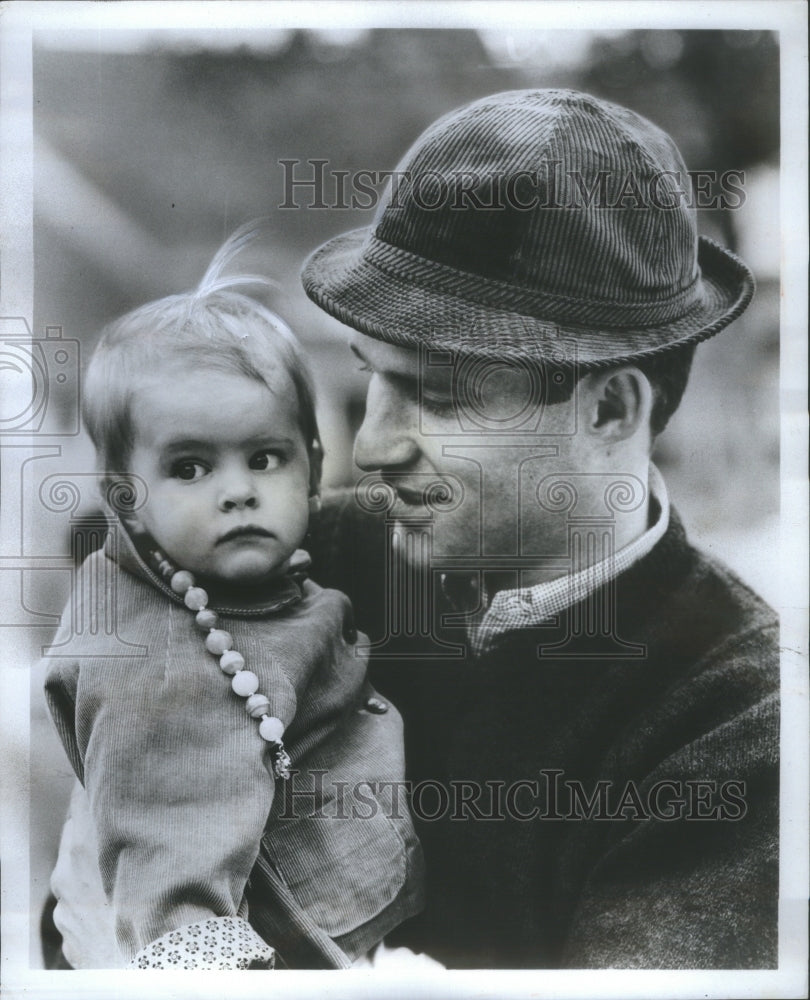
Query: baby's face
(227, 471)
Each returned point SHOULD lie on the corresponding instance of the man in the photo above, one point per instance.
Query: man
(590, 704)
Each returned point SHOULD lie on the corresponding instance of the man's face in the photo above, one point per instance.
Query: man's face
(481, 431)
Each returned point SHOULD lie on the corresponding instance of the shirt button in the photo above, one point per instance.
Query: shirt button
(377, 706)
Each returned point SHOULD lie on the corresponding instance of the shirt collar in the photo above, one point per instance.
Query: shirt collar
(523, 607)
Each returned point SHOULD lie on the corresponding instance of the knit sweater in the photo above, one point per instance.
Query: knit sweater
(642, 827)
(181, 784)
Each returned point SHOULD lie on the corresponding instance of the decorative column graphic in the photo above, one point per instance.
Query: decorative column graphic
(18, 463)
(39, 406)
(592, 627)
(93, 605)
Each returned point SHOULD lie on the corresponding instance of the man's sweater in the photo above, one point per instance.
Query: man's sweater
(642, 827)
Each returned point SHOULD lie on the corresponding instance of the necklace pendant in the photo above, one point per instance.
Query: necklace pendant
(281, 761)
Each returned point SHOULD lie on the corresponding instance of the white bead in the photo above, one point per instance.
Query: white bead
(218, 641)
(232, 662)
(207, 619)
(195, 598)
(245, 683)
(181, 581)
(257, 706)
(271, 729)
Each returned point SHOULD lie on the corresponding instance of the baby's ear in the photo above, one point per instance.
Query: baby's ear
(125, 494)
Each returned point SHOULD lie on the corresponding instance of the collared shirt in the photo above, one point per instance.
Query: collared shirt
(523, 607)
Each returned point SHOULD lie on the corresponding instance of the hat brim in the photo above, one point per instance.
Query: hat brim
(415, 311)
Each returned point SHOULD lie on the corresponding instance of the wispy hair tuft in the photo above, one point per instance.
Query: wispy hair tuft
(218, 326)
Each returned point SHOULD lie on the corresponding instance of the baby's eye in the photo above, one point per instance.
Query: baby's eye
(264, 461)
(188, 471)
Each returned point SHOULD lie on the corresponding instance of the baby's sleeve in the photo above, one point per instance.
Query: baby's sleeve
(180, 786)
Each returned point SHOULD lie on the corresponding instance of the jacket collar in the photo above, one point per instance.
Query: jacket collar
(123, 549)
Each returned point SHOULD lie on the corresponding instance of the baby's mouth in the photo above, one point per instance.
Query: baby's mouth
(244, 530)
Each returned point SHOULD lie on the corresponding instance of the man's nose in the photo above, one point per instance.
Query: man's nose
(389, 434)
(238, 491)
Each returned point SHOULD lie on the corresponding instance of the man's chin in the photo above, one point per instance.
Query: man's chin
(411, 543)
(425, 546)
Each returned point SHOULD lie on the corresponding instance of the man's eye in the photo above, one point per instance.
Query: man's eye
(441, 406)
(188, 471)
(264, 461)
(362, 363)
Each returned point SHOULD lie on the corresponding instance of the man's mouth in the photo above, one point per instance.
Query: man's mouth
(433, 491)
(246, 531)
(413, 498)
(409, 495)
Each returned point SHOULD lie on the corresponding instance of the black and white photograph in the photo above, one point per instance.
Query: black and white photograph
(403, 450)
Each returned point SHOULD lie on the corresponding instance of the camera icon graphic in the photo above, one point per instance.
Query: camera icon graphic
(496, 395)
(39, 381)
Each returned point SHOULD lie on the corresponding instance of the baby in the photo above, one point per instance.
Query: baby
(245, 676)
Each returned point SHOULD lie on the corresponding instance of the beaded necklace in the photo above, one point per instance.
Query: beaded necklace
(219, 643)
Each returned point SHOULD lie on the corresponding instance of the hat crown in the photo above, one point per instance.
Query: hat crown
(556, 193)
(542, 224)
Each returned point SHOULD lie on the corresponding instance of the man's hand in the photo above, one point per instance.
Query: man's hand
(83, 916)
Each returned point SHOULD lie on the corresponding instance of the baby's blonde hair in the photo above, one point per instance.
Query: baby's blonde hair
(216, 327)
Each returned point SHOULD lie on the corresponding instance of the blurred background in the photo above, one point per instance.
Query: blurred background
(150, 148)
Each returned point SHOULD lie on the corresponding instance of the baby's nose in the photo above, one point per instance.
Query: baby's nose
(238, 493)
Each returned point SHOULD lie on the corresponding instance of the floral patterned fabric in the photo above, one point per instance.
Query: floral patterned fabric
(218, 943)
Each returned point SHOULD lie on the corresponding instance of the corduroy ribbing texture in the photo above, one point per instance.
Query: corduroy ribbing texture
(180, 783)
(541, 223)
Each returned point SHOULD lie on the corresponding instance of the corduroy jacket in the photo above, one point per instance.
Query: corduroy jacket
(190, 820)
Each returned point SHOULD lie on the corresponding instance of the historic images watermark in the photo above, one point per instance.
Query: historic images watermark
(40, 388)
(39, 411)
(40, 381)
(315, 184)
(552, 796)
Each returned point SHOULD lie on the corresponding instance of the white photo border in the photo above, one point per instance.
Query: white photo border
(17, 21)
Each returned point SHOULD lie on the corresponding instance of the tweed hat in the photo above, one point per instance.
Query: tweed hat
(535, 223)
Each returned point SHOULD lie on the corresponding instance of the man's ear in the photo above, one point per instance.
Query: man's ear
(619, 403)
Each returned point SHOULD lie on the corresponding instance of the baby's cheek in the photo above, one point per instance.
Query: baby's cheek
(183, 533)
(298, 517)
(187, 517)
